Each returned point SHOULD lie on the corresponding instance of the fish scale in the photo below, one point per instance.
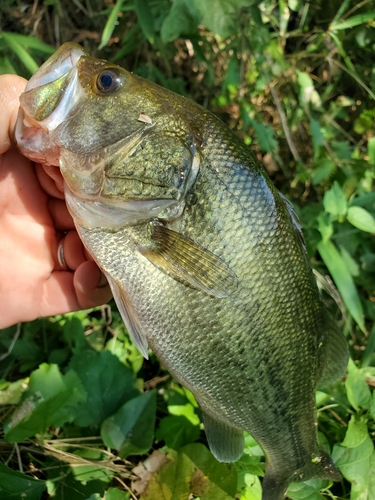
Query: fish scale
(205, 258)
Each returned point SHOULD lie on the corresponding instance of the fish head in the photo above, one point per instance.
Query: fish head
(120, 141)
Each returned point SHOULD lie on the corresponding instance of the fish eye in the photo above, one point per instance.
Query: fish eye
(108, 81)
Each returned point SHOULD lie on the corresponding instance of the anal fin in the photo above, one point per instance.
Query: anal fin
(333, 353)
(129, 316)
(226, 443)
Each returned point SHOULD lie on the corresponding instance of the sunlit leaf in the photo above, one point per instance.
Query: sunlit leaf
(353, 21)
(110, 24)
(361, 219)
(343, 280)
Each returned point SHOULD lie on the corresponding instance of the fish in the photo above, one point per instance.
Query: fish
(205, 257)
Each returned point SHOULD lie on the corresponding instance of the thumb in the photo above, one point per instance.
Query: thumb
(11, 87)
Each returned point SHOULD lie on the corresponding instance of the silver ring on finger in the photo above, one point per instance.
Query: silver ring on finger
(61, 255)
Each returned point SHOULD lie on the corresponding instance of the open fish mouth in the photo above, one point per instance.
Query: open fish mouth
(49, 98)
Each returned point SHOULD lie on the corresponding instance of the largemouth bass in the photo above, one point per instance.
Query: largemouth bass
(205, 258)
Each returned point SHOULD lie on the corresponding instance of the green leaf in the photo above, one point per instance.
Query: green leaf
(49, 400)
(361, 218)
(353, 21)
(266, 137)
(358, 392)
(31, 42)
(145, 19)
(67, 487)
(295, 5)
(354, 465)
(221, 16)
(308, 490)
(355, 434)
(371, 150)
(108, 383)
(16, 486)
(115, 494)
(323, 170)
(182, 19)
(96, 470)
(317, 136)
(177, 432)
(131, 429)
(30, 64)
(192, 472)
(343, 280)
(110, 24)
(221, 474)
(334, 201)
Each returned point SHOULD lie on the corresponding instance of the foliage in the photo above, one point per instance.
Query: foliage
(294, 79)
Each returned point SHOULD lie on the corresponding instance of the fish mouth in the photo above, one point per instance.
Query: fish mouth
(49, 97)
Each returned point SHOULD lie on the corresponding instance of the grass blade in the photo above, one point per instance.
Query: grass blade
(30, 64)
(370, 349)
(145, 19)
(353, 21)
(343, 280)
(110, 24)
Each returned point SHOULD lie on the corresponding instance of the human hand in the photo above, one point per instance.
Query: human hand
(33, 221)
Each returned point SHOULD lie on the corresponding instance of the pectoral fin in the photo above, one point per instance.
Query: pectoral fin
(226, 443)
(183, 259)
(129, 316)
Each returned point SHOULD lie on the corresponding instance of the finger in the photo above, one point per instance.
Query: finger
(91, 287)
(11, 88)
(74, 253)
(55, 174)
(60, 215)
(48, 183)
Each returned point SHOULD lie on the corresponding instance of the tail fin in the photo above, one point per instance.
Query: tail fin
(321, 466)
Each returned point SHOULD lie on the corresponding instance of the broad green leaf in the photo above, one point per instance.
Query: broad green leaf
(131, 429)
(108, 383)
(173, 480)
(30, 64)
(355, 434)
(145, 19)
(266, 137)
(358, 392)
(354, 465)
(110, 24)
(308, 490)
(343, 280)
(192, 474)
(324, 168)
(221, 16)
(177, 431)
(251, 489)
(84, 473)
(66, 487)
(353, 21)
(49, 400)
(16, 486)
(334, 201)
(186, 411)
(115, 494)
(361, 218)
(182, 19)
(221, 474)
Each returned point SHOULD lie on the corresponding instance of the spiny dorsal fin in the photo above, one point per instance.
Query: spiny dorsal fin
(183, 259)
